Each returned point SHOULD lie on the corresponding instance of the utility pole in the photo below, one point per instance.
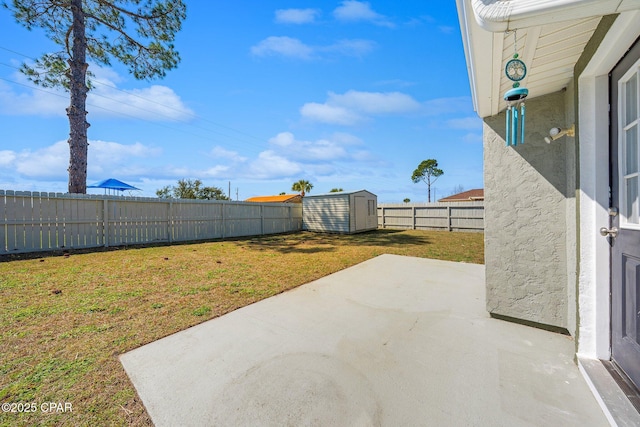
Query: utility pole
(229, 192)
(236, 194)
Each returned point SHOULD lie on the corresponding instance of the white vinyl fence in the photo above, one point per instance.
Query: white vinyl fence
(31, 222)
(451, 216)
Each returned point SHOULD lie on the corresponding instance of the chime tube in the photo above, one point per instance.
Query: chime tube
(508, 125)
(514, 127)
(522, 111)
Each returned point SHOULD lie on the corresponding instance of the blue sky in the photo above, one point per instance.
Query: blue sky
(344, 94)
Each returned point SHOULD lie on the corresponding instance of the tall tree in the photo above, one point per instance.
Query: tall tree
(336, 190)
(98, 30)
(303, 186)
(428, 172)
(191, 189)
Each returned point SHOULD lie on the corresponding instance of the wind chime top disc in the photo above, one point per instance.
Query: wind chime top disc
(516, 94)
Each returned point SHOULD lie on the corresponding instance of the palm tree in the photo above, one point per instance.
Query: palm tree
(303, 186)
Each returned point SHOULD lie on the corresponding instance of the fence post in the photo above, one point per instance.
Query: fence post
(105, 222)
(223, 225)
(413, 214)
(449, 217)
(169, 222)
(262, 220)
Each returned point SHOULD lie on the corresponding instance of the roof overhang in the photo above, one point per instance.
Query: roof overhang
(551, 36)
(504, 15)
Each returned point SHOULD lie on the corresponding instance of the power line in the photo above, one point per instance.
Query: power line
(109, 110)
(129, 93)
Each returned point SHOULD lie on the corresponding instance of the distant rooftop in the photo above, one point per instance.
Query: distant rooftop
(282, 198)
(465, 196)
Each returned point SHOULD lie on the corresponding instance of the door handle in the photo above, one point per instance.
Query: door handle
(605, 232)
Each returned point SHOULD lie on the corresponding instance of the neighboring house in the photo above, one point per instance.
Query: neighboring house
(341, 212)
(547, 204)
(283, 198)
(466, 196)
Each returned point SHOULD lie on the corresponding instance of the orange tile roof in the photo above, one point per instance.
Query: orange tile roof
(283, 198)
(465, 196)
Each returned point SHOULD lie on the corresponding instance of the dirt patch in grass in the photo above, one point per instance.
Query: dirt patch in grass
(65, 319)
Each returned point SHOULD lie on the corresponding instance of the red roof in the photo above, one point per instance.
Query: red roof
(283, 198)
(465, 196)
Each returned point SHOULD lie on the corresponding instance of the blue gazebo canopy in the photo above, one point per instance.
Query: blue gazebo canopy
(113, 184)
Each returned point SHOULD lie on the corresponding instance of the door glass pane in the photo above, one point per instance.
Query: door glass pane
(632, 200)
(631, 152)
(631, 99)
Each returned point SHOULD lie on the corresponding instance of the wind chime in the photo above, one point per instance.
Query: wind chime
(515, 114)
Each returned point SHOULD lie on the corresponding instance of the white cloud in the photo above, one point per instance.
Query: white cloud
(472, 123)
(156, 102)
(7, 157)
(293, 48)
(331, 114)
(222, 153)
(219, 171)
(48, 162)
(355, 47)
(284, 46)
(353, 106)
(270, 165)
(34, 101)
(309, 151)
(446, 29)
(354, 11)
(296, 16)
(104, 158)
(375, 102)
(439, 106)
(346, 138)
(283, 139)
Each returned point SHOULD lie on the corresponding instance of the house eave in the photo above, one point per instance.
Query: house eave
(502, 15)
(551, 36)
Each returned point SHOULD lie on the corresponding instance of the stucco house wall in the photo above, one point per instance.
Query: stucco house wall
(547, 262)
(527, 274)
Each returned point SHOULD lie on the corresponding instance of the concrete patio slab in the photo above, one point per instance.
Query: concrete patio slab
(392, 341)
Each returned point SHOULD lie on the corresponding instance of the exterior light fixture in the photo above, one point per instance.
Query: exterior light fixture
(555, 133)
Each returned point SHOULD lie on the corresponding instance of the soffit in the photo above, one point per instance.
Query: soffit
(549, 42)
(550, 53)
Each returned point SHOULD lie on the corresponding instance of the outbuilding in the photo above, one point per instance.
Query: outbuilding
(343, 212)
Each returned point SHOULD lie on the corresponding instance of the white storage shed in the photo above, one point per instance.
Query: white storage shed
(344, 212)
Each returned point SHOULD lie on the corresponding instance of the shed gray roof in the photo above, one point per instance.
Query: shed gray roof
(338, 193)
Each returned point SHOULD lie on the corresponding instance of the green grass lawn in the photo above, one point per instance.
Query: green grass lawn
(66, 318)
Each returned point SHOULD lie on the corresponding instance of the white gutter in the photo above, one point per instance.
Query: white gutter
(466, 42)
(503, 15)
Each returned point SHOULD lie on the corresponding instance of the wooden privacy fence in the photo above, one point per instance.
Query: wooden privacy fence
(31, 222)
(452, 216)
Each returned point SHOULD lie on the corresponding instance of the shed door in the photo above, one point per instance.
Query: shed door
(361, 213)
(625, 196)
